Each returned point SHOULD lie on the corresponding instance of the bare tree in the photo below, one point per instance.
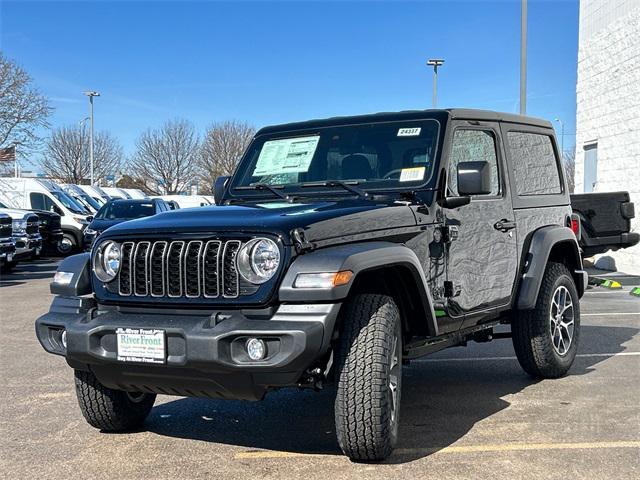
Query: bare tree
(67, 155)
(569, 164)
(223, 145)
(23, 109)
(166, 159)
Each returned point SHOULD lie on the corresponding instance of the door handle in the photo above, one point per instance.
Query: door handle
(504, 225)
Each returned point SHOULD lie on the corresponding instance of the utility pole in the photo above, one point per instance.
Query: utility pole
(561, 137)
(523, 58)
(435, 63)
(91, 95)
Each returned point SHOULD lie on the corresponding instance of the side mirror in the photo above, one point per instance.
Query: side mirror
(218, 188)
(474, 178)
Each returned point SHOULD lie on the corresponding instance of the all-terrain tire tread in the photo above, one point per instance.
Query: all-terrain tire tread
(362, 410)
(531, 341)
(108, 409)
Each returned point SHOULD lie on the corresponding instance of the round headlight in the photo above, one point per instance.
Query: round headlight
(106, 263)
(258, 260)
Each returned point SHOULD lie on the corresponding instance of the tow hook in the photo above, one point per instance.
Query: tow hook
(313, 378)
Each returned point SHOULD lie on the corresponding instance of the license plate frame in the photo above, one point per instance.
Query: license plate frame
(141, 345)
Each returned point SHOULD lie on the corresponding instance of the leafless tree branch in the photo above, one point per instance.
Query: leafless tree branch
(67, 155)
(23, 109)
(223, 145)
(166, 159)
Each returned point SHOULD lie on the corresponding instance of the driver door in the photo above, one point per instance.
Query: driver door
(481, 259)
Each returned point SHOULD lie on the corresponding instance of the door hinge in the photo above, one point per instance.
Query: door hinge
(449, 233)
(448, 289)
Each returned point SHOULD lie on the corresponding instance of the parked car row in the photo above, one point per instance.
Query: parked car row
(39, 215)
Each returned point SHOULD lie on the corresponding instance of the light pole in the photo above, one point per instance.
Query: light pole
(523, 58)
(561, 137)
(91, 95)
(435, 63)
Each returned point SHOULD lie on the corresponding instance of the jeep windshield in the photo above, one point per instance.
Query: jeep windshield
(373, 156)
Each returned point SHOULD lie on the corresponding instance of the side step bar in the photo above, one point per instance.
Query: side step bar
(479, 333)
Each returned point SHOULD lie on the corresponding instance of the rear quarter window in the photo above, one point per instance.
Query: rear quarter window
(534, 164)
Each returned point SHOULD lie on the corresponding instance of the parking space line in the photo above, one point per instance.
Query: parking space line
(490, 359)
(505, 447)
(608, 313)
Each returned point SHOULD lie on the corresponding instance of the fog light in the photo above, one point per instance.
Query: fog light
(63, 339)
(256, 349)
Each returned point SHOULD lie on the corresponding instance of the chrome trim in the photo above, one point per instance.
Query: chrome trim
(146, 270)
(180, 259)
(222, 269)
(130, 272)
(217, 267)
(186, 273)
(162, 266)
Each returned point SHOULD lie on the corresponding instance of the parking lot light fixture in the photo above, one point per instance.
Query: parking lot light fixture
(91, 94)
(435, 63)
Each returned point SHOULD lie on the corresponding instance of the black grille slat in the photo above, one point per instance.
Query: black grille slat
(140, 269)
(125, 269)
(230, 281)
(210, 262)
(192, 269)
(174, 269)
(157, 268)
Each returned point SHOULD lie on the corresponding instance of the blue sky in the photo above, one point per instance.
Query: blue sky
(272, 62)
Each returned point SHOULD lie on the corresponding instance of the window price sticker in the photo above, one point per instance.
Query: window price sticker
(412, 174)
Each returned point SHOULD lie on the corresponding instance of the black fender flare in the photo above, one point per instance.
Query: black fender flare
(358, 258)
(541, 244)
(80, 283)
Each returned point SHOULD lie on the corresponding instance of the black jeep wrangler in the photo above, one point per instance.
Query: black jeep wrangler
(338, 250)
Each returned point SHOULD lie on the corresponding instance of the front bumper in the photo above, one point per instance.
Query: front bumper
(205, 351)
(27, 245)
(7, 250)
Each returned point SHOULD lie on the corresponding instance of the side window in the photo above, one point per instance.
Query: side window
(37, 201)
(472, 146)
(534, 164)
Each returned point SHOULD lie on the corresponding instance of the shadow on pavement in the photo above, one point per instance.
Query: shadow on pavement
(29, 270)
(441, 402)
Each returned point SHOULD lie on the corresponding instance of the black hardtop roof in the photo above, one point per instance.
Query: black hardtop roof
(438, 114)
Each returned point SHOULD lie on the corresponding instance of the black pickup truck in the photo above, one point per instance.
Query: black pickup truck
(339, 249)
(605, 221)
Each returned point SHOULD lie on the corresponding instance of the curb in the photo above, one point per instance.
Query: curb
(635, 292)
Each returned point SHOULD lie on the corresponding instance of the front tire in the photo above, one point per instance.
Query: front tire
(108, 409)
(67, 245)
(369, 378)
(546, 338)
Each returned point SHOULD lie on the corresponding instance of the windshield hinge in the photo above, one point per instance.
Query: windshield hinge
(300, 241)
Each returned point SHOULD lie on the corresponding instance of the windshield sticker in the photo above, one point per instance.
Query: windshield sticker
(409, 132)
(412, 174)
(288, 155)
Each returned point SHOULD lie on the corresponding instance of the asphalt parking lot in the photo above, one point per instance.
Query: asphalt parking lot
(467, 413)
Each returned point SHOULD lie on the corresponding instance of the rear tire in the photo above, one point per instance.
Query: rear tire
(108, 409)
(369, 378)
(546, 338)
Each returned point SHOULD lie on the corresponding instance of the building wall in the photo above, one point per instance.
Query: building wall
(608, 109)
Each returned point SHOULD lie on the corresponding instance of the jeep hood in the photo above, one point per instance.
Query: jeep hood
(320, 220)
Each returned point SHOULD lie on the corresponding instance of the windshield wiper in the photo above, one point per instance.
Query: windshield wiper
(264, 186)
(349, 186)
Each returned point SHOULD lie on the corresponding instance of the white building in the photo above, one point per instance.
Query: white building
(608, 109)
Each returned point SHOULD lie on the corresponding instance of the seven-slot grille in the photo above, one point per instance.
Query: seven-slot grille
(180, 269)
